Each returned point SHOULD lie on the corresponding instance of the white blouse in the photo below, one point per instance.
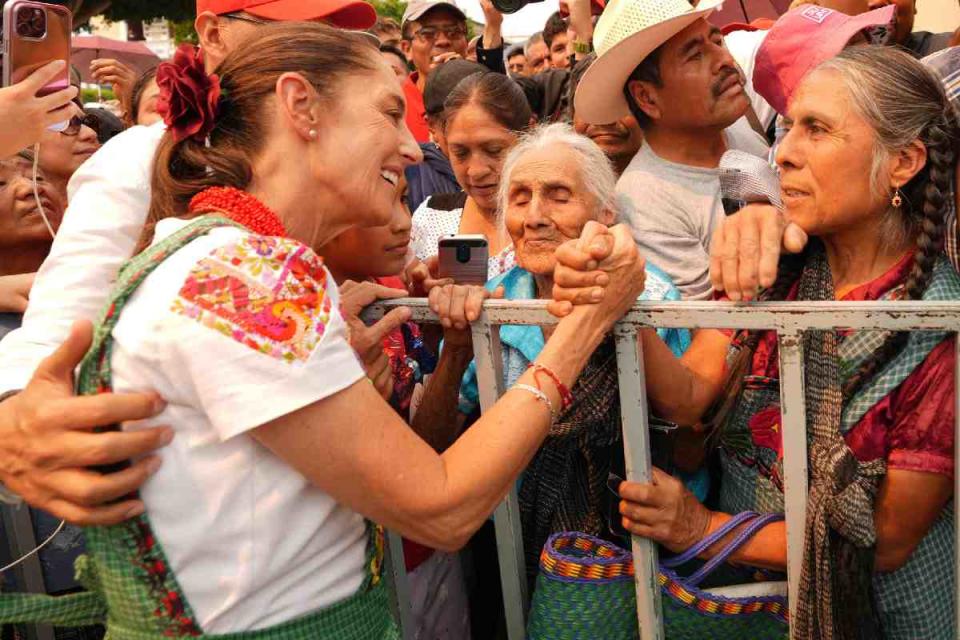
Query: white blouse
(233, 331)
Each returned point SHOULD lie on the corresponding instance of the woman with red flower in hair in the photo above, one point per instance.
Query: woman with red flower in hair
(259, 518)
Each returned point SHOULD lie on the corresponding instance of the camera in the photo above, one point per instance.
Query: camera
(512, 6)
(31, 22)
(463, 253)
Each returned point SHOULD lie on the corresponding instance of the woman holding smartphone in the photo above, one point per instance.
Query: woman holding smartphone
(482, 118)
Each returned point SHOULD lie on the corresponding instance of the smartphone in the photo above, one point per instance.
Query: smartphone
(35, 34)
(464, 258)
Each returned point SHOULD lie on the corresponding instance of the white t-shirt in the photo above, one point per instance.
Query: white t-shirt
(235, 330)
(109, 198)
(676, 209)
(743, 46)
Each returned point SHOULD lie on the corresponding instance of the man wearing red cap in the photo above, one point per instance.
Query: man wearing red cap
(109, 200)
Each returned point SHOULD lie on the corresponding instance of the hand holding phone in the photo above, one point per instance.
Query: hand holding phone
(464, 258)
(26, 115)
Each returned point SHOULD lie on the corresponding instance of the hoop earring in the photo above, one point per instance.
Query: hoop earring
(897, 200)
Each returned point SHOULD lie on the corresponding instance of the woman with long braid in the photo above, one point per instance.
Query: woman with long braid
(865, 168)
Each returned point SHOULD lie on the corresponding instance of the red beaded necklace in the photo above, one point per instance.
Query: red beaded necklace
(240, 207)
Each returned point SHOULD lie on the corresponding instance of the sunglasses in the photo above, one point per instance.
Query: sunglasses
(429, 34)
(76, 122)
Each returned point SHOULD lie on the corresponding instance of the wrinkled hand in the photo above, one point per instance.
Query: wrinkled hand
(47, 442)
(366, 341)
(626, 275)
(664, 511)
(26, 116)
(15, 292)
(458, 306)
(746, 248)
(577, 277)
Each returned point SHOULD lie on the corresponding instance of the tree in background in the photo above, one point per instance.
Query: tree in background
(133, 11)
(390, 8)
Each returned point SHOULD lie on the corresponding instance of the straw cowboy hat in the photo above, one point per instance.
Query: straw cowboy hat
(629, 31)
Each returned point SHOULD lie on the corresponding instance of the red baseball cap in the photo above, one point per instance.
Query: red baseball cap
(346, 14)
(760, 24)
(803, 38)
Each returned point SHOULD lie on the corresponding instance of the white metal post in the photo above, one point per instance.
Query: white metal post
(506, 519)
(789, 319)
(636, 454)
(396, 574)
(794, 434)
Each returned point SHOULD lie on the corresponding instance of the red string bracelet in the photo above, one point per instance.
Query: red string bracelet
(566, 398)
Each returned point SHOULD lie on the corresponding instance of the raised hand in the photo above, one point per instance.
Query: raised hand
(493, 24)
(577, 278)
(117, 74)
(746, 248)
(26, 115)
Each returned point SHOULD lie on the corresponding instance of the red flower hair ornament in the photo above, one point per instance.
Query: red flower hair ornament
(189, 97)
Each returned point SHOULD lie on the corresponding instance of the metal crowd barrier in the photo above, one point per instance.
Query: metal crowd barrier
(788, 319)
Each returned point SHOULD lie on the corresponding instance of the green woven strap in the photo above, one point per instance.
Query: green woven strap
(95, 372)
(75, 610)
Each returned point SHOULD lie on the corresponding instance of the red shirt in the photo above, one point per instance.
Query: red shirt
(913, 427)
(416, 113)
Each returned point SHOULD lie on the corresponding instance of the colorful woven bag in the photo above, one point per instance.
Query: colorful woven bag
(585, 591)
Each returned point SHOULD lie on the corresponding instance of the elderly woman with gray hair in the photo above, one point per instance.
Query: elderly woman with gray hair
(554, 182)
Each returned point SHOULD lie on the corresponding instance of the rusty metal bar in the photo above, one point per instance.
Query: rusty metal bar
(400, 585)
(794, 434)
(506, 519)
(636, 455)
(789, 319)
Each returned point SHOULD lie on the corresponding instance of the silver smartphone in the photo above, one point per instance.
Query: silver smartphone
(463, 258)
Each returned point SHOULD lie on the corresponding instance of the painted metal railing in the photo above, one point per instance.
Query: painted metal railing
(788, 319)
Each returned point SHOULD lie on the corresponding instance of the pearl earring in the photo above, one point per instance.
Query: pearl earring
(313, 133)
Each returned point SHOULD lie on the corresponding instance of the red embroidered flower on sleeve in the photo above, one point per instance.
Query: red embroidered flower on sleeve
(267, 293)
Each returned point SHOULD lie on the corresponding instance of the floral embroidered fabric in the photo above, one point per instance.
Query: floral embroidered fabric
(267, 293)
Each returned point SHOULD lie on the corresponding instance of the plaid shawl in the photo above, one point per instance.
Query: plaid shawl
(564, 486)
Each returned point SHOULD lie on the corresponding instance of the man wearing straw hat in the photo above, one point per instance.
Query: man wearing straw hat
(663, 63)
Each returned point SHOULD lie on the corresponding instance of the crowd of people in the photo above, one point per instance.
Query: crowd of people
(186, 380)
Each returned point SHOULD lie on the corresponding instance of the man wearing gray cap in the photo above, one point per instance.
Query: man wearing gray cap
(434, 32)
